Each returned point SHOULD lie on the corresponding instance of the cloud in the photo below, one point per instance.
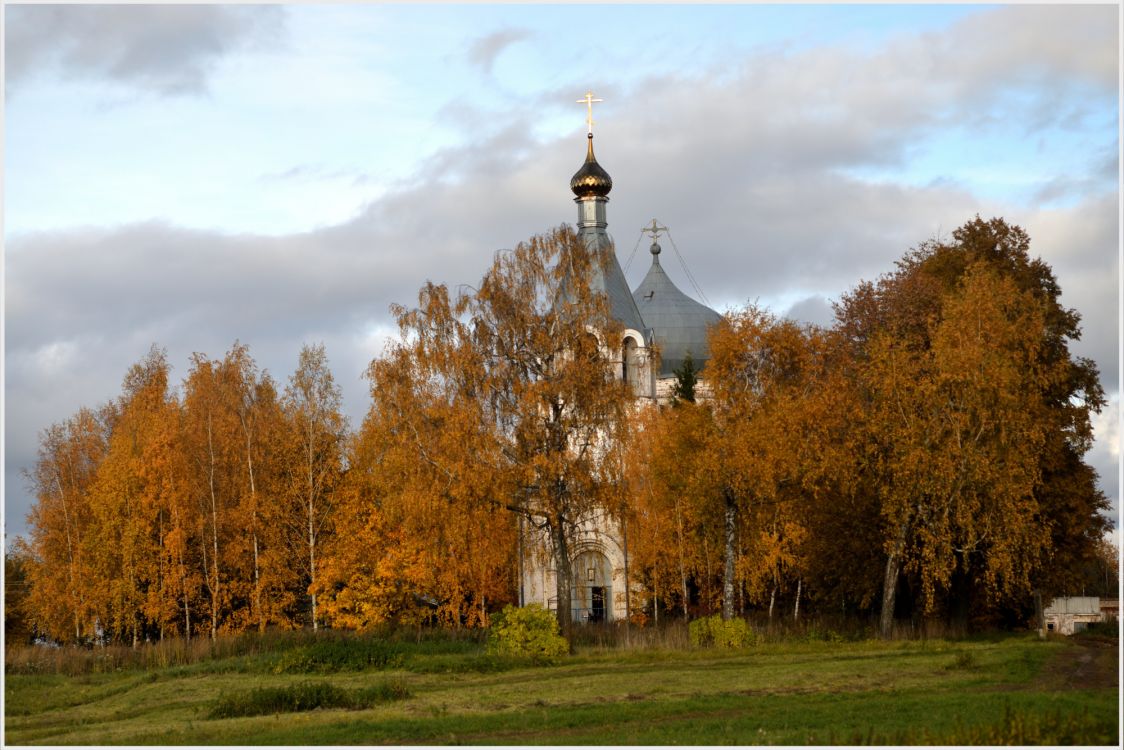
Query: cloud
(753, 170)
(317, 173)
(814, 309)
(1105, 455)
(1081, 245)
(482, 52)
(168, 50)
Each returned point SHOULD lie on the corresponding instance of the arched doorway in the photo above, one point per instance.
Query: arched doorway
(592, 589)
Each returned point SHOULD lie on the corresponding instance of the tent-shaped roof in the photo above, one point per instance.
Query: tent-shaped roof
(678, 322)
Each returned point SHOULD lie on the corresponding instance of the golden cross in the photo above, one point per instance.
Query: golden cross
(653, 230)
(588, 102)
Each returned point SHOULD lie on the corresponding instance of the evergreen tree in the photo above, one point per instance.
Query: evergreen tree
(686, 377)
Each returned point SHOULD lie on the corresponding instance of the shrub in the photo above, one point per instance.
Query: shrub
(964, 660)
(526, 631)
(307, 696)
(714, 632)
(1110, 629)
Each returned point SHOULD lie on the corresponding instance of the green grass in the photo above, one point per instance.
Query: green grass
(1010, 690)
(304, 696)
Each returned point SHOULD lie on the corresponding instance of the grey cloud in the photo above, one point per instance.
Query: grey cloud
(484, 51)
(164, 49)
(1057, 45)
(814, 309)
(751, 170)
(317, 173)
(1081, 244)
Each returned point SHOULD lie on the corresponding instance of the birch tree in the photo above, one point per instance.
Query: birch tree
(526, 359)
(317, 430)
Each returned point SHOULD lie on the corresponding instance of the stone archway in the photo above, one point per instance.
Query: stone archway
(592, 592)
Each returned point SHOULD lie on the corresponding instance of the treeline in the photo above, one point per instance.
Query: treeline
(188, 511)
(923, 456)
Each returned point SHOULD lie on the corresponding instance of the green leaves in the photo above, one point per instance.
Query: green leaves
(526, 631)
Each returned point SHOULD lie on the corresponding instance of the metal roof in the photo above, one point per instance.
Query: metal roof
(610, 280)
(679, 323)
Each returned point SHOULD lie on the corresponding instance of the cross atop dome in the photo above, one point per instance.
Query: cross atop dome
(588, 101)
(654, 230)
(591, 181)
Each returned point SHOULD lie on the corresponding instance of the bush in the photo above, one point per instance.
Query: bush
(714, 632)
(307, 696)
(1109, 629)
(526, 631)
(964, 660)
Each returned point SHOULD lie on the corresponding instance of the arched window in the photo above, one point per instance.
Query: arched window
(630, 363)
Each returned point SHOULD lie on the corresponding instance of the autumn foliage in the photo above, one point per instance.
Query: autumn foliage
(923, 456)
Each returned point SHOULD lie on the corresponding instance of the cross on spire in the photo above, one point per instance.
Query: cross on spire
(588, 101)
(654, 230)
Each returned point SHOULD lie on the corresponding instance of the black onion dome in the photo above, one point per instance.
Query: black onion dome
(591, 181)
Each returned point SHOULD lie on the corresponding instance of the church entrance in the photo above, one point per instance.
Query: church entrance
(592, 589)
(597, 610)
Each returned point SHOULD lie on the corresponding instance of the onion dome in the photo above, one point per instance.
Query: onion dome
(679, 323)
(591, 181)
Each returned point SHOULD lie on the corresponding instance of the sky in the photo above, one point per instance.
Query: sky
(278, 175)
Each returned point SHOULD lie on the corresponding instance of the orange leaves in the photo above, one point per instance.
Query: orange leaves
(742, 451)
(960, 361)
(492, 401)
(937, 430)
(962, 424)
(160, 516)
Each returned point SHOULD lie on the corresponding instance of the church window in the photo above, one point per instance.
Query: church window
(630, 364)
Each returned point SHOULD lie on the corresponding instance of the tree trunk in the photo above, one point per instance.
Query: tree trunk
(1038, 614)
(682, 564)
(890, 582)
(522, 594)
(70, 560)
(312, 561)
(741, 583)
(960, 597)
(728, 585)
(311, 519)
(206, 565)
(708, 594)
(563, 579)
(627, 596)
(214, 533)
(248, 432)
(796, 610)
(186, 607)
(772, 600)
(889, 592)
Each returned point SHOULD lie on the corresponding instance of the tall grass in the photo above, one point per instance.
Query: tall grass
(306, 696)
(672, 633)
(416, 649)
(288, 651)
(1016, 727)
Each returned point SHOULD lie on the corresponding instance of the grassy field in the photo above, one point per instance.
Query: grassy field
(1000, 690)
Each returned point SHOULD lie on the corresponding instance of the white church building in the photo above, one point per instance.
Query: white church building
(661, 326)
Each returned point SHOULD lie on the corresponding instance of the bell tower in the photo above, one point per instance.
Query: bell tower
(591, 185)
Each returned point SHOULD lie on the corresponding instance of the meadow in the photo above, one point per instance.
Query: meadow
(436, 687)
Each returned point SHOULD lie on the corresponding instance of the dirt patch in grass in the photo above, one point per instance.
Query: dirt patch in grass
(1092, 664)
